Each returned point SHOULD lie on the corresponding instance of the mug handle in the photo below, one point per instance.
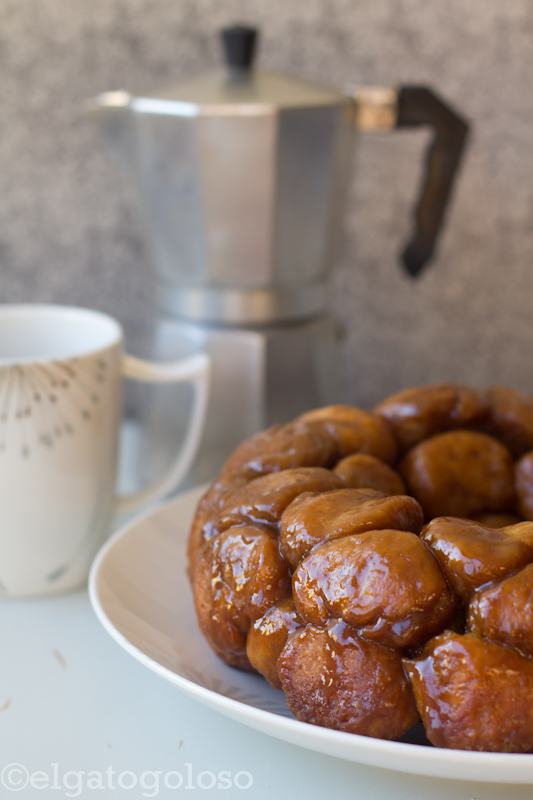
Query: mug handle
(194, 370)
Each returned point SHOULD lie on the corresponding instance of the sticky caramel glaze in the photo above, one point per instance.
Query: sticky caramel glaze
(474, 694)
(510, 419)
(297, 444)
(492, 520)
(460, 473)
(267, 637)
(264, 499)
(356, 431)
(524, 485)
(333, 678)
(311, 518)
(521, 532)
(361, 471)
(208, 507)
(472, 554)
(414, 414)
(239, 575)
(386, 583)
(504, 611)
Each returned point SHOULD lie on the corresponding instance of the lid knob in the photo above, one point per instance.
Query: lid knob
(239, 46)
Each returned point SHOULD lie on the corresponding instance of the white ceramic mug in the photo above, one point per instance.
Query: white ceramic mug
(61, 372)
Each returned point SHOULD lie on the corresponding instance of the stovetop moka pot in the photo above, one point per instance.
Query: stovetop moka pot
(242, 177)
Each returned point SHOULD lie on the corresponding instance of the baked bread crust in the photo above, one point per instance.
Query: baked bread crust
(310, 563)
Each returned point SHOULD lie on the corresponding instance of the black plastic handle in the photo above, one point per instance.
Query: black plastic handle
(418, 105)
(240, 42)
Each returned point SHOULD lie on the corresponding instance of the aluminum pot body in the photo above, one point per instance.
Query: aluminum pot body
(260, 376)
(241, 191)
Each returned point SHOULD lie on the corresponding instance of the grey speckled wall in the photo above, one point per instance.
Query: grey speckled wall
(70, 232)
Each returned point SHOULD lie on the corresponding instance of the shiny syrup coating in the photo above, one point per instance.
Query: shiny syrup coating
(510, 419)
(385, 583)
(460, 473)
(332, 677)
(207, 509)
(524, 485)
(472, 554)
(474, 694)
(264, 499)
(356, 431)
(296, 444)
(312, 519)
(361, 471)
(423, 411)
(244, 592)
(493, 520)
(521, 532)
(239, 575)
(267, 637)
(504, 611)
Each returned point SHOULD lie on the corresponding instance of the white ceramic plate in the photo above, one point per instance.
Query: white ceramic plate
(140, 593)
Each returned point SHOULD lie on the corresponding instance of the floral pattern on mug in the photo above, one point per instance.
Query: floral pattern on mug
(42, 403)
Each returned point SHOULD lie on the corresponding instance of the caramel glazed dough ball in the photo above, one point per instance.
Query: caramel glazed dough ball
(474, 688)
(308, 565)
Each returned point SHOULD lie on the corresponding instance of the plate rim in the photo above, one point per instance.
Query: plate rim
(435, 761)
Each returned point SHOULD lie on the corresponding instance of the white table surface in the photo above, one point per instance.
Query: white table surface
(71, 700)
(71, 696)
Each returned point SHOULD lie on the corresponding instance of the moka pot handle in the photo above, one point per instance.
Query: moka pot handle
(412, 107)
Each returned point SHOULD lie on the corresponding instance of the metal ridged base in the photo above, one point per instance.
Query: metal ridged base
(226, 306)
